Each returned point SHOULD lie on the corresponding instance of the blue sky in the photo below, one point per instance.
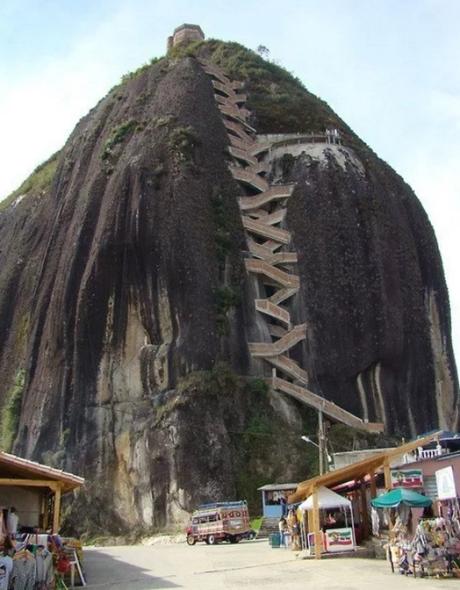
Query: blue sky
(389, 68)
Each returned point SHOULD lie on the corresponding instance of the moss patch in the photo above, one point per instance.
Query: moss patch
(11, 412)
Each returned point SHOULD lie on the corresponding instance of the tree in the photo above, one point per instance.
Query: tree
(263, 51)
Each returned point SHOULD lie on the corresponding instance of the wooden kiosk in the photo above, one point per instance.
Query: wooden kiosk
(35, 490)
(360, 471)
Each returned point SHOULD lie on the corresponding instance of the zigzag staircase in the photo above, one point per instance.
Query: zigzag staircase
(263, 211)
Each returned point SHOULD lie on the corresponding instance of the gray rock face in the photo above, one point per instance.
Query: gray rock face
(123, 284)
(373, 294)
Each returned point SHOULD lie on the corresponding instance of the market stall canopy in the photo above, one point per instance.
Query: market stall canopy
(18, 471)
(358, 470)
(326, 499)
(399, 496)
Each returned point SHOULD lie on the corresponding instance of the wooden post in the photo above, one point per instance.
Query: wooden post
(41, 519)
(46, 515)
(373, 485)
(57, 509)
(316, 528)
(364, 510)
(387, 474)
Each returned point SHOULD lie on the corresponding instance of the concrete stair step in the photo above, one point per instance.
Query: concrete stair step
(268, 526)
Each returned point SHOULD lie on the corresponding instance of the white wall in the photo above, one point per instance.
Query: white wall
(26, 502)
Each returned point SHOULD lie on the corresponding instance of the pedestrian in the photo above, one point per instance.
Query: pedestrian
(294, 529)
(283, 504)
(283, 529)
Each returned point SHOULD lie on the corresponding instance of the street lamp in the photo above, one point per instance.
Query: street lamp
(322, 452)
(308, 440)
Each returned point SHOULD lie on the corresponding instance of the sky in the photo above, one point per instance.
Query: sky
(389, 68)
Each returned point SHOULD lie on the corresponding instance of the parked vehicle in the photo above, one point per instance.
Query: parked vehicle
(221, 521)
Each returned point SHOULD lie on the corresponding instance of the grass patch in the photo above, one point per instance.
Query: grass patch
(140, 70)
(11, 412)
(186, 49)
(118, 135)
(39, 181)
(279, 100)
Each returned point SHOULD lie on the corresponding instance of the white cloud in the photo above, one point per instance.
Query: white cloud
(39, 109)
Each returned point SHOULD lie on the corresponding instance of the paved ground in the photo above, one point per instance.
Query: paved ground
(251, 564)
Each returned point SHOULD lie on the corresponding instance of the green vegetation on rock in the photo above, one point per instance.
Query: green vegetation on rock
(344, 438)
(11, 410)
(137, 72)
(227, 297)
(182, 142)
(279, 100)
(118, 135)
(38, 182)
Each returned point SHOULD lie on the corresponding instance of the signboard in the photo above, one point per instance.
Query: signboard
(407, 478)
(339, 539)
(445, 483)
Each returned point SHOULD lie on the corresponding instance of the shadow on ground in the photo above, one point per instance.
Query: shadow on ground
(106, 571)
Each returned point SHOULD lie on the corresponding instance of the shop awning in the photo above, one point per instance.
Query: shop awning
(326, 499)
(23, 473)
(399, 496)
(15, 470)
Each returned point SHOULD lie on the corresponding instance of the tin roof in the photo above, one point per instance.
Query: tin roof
(14, 467)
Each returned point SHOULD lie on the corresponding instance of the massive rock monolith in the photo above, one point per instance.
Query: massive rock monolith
(126, 310)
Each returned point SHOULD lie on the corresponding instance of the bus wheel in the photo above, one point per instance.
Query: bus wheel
(211, 540)
(191, 540)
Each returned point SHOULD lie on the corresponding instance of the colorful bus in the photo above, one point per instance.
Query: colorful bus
(221, 521)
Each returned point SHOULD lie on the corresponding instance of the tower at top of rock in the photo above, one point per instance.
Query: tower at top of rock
(186, 33)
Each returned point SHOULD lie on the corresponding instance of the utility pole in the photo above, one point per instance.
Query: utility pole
(321, 442)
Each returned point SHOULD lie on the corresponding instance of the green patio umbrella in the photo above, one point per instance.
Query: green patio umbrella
(398, 496)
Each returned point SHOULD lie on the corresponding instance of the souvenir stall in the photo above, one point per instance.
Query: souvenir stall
(336, 522)
(364, 473)
(32, 554)
(432, 549)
